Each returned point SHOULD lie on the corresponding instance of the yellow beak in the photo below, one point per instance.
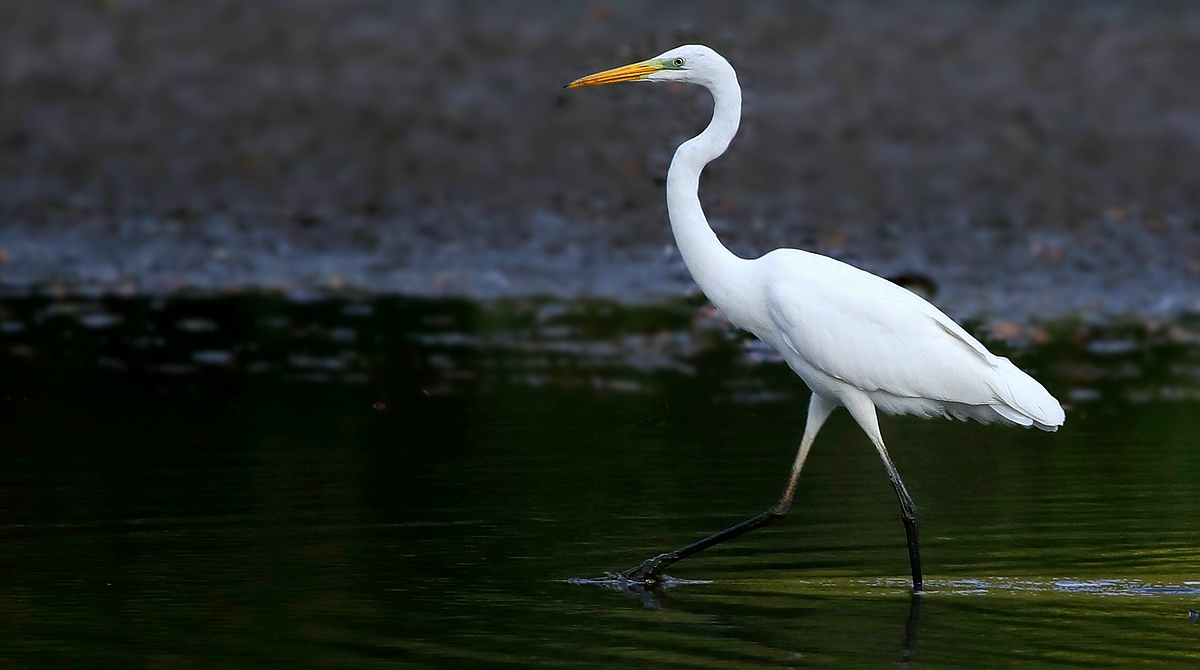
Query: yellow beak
(618, 74)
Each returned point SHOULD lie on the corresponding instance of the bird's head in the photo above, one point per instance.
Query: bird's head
(692, 63)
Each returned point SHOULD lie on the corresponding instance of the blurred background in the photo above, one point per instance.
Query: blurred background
(339, 333)
(428, 149)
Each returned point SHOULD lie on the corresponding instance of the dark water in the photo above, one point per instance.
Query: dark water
(269, 482)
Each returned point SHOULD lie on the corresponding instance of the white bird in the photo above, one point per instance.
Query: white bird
(858, 341)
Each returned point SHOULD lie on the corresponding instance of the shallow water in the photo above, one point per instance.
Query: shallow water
(279, 482)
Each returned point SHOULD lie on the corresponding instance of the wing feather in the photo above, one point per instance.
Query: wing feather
(879, 337)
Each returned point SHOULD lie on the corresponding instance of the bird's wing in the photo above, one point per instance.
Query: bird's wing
(874, 335)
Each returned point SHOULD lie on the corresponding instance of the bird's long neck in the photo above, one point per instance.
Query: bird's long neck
(717, 270)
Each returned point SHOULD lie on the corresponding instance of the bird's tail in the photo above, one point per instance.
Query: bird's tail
(1023, 401)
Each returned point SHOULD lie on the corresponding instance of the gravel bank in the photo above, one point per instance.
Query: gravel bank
(1033, 160)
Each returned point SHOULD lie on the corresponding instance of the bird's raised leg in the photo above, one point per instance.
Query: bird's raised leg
(863, 411)
(651, 570)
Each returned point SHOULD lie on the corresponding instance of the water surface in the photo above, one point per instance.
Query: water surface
(282, 482)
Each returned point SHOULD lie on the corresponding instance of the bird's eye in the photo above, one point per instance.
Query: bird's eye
(678, 62)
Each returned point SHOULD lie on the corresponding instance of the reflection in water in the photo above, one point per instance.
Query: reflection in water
(652, 595)
(1000, 585)
(255, 481)
(909, 649)
(656, 596)
(461, 348)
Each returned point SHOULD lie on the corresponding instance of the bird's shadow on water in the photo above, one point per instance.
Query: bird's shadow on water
(656, 596)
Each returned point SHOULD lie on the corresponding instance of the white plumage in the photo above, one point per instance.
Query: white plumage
(844, 331)
(856, 340)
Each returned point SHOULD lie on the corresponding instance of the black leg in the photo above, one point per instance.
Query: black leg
(863, 411)
(651, 570)
(908, 513)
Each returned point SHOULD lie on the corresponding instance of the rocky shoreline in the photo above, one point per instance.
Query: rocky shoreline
(1032, 162)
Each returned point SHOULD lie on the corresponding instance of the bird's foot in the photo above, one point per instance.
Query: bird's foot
(646, 582)
(647, 575)
(650, 572)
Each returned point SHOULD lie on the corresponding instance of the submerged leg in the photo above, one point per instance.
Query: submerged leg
(863, 411)
(651, 570)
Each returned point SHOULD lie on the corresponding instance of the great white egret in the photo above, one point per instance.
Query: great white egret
(857, 340)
